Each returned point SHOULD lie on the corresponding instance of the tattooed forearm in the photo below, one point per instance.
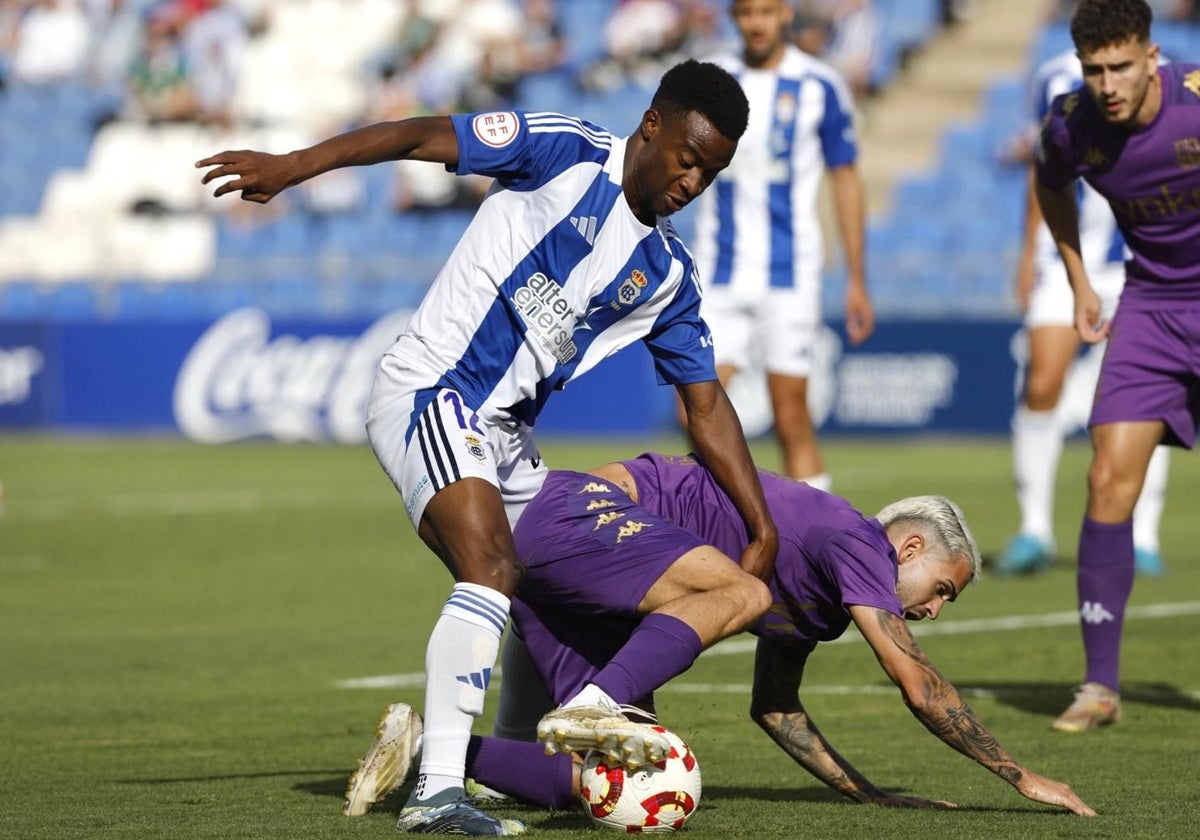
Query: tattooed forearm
(939, 706)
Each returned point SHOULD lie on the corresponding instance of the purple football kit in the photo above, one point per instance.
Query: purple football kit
(1151, 178)
(1151, 369)
(591, 554)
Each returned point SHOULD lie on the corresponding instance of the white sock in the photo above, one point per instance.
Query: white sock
(1037, 447)
(458, 666)
(821, 481)
(1148, 513)
(590, 695)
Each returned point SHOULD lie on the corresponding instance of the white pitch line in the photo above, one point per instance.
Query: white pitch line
(941, 628)
(193, 503)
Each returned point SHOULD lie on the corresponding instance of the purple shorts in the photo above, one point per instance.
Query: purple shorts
(590, 555)
(1151, 371)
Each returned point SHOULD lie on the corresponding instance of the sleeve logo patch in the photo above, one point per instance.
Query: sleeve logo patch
(496, 129)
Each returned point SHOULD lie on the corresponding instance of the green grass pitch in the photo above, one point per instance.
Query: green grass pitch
(178, 624)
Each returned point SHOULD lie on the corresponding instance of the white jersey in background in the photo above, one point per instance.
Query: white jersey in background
(554, 274)
(1101, 244)
(757, 225)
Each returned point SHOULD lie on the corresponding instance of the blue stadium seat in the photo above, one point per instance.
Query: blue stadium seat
(20, 300)
(73, 301)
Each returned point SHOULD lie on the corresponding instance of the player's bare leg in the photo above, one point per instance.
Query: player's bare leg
(794, 430)
(465, 524)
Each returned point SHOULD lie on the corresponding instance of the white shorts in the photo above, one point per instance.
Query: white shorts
(426, 438)
(1052, 303)
(778, 326)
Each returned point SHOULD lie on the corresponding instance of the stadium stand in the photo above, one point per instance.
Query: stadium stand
(102, 215)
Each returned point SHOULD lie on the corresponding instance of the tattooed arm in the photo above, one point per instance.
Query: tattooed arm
(776, 707)
(939, 706)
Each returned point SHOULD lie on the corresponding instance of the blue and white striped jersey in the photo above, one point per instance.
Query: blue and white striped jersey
(554, 273)
(757, 225)
(1100, 241)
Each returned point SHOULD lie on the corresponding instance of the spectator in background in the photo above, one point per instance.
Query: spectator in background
(158, 85)
(844, 33)
(51, 44)
(543, 47)
(639, 36)
(213, 44)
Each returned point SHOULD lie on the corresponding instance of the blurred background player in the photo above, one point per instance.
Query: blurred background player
(1043, 292)
(456, 397)
(759, 242)
(1132, 134)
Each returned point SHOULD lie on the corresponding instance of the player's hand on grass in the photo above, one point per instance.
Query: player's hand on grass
(258, 175)
(1040, 789)
(894, 800)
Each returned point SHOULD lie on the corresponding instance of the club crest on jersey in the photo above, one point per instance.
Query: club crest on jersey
(475, 447)
(595, 487)
(785, 108)
(1192, 82)
(1187, 152)
(496, 129)
(547, 315)
(631, 289)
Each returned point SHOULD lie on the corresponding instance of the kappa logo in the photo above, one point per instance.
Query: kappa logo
(1093, 612)
(1095, 157)
(595, 487)
(607, 519)
(1192, 82)
(586, 225)
(631, 529)
(600, 504)
(1187, 153)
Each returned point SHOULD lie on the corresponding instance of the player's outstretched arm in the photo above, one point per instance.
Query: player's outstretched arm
(939, 706)
(776, 707)
(717, 433)
(260, 176)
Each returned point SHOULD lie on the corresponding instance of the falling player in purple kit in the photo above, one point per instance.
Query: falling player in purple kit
(1133, 133)
(629, 575)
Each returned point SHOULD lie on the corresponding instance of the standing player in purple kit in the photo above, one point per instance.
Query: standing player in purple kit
(1133, 134)
(621, 593)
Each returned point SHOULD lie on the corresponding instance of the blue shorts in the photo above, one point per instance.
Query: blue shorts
(590, 555)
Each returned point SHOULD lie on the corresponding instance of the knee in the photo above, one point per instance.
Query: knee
(1111, 494)
(753, 599)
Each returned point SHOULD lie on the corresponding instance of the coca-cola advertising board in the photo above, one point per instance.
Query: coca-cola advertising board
(245, 375)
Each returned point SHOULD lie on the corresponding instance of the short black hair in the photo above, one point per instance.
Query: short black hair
(708, 90)
(1097, 24)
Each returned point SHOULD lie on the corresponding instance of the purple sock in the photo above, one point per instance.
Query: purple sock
(661, 647)
(1104, 581)
(523, 770)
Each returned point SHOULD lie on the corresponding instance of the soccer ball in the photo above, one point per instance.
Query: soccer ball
(658, 798)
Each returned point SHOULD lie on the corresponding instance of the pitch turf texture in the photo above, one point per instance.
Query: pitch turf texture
(178, 623)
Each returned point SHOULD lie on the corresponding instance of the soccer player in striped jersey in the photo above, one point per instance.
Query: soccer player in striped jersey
(567, 261)
(759, 242)
(1133, 133)
(1043, 292)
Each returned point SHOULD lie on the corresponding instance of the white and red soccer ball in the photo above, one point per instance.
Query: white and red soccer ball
(658, 798)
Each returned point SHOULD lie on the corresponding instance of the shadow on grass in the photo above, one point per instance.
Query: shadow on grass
(1048, 698)
(223, 777)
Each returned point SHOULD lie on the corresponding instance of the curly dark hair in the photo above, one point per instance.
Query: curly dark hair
(1097, 24)
(706, 89)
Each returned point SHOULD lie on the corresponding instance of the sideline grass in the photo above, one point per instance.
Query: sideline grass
(174, 619)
